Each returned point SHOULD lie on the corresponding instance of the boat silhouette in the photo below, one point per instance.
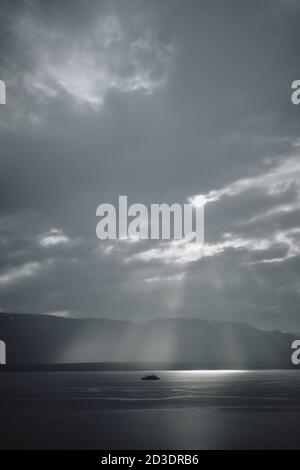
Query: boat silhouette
(150, 377)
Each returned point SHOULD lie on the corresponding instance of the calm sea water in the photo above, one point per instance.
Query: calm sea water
(184, 410)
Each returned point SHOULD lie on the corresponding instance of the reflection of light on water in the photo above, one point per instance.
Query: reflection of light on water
(213, 372)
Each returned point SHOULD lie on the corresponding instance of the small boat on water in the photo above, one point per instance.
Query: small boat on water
(150, 377)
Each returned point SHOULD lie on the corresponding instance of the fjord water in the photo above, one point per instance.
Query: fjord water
(183, 410)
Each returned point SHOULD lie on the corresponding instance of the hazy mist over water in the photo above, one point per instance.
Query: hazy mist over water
(185, 409)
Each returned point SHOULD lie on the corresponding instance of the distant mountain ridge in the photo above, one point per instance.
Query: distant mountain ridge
(46, 339)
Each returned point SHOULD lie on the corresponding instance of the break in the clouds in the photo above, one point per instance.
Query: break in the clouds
(111, 51)
(165, 102)
(279, 186)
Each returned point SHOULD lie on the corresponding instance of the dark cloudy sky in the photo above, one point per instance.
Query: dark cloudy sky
(161, 100)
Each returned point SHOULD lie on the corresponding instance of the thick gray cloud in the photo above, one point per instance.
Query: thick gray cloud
(162, 101)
